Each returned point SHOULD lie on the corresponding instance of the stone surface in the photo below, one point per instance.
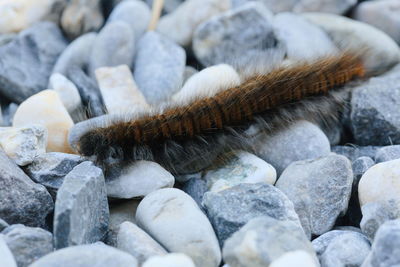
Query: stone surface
(38, 47)
(98, 255)
(189, 72)
(67, 92)
(7, 258)
(119, 90)
(195, 187)
(81, 213)
(3, 224)
(8, 114)
(170, 260)
(169, 5)
(170, 210)
(23, 144)
(298, 258)
(319, 189)
(159, 67)
(22, 201)
(354, 152)
(249, 201)
(387, 153)
(6, 38)
(27, 244)
(262, 240)
(300, 141)
(46, 109)
(138, 180)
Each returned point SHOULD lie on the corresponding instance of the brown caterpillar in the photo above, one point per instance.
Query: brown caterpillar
(182, 136)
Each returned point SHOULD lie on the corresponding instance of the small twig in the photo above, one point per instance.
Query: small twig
(156, 13)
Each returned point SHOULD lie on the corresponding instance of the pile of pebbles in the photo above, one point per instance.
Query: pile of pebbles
(309, 196)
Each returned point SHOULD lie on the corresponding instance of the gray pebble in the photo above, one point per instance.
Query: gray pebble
(6, 38)
(196, 188)
(7, 258)
(354, 152)
(3, 224)
(169, 5)
(387, 153)
(8, 114)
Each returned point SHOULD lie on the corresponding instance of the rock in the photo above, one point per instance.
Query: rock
(81, 213)
(264, 239)
(137, 242)
(159, 67)
(242, 167)
(38, 47)
(98, 255)
(381, 14)
(196, 188)
(46, 109)
(7, 258)
(6, 38)
(114, 45)
(341, 248)
(22, 201)
(80, 17)
(170, 260)
(387, 153)
(119, 90)
(77, 54)
(248, 200)
(23, 144)
(384, 251)
(292, 144)
(28, 244)
(189, 72)
(67, 92)
(169, 5)
(180, 24)
(49, 169)
(8, 114)
(138, 180)
(235, 34)
(382, 52)
(3, 225)
(170, 210)
(298, 258)
(354, 152)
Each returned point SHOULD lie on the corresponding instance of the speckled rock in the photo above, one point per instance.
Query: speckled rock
(387, 153)
(7, 258)
(170, 260)
(67, 92)
(354, 152)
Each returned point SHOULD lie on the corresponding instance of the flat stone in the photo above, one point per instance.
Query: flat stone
(354, 152)
(38, 47)
(170, 260)
(170, 210)
(7, 258)
(81, 213)
(387, 153)
(22, 201)
(67, 92)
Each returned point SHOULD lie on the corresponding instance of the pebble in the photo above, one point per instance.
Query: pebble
(382, 14)
(341, 248)
(138, 180)
(22, 201)
(121, 212)
(6, 38)
(119, 90)
(98, 255)
(81, 16)
(49, 169)
(159, 67)
(242, 167)
(349, 34)
(196, 188)
(387, 153)
(6, 256)
(185, 19)
(170, 260)
(27, 244)
(170, 210)
(67, 92)
(354, 152)
(248, 200)
(39, 47)
(298, 258)
(189, 72)
(262, 240)
(23, 144)
(138, 243)
(114, 46)
(320, 190)
(3, 225)
(81, 212)
(46, 109)
(8, 114)
(169, 5)
(300, 141)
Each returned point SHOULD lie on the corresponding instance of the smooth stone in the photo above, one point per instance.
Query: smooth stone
(98, 255)
(3, 225)
(180, 24)
(381, 51)
(189, 72)
(196, 188)
(320, 190)
(22, 201)
(119, 90)
(387, 153)
(264, 239)
(67, 91)
(49, 169)
(138, 180)
(169, 260)
(354, 152)
(114, 46)
(81, 214)
(28, 244)
(46, 109)
(6, 256)
(81, 16)
(23, 144)
(300, 141)
(77, 54)
(38, 47)
(230, 209)
(159, 67)
(298, 258)
(138, 243)
(170, 210)
(169, 5)
(242, 167)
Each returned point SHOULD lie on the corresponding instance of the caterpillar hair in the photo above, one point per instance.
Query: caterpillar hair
(186, 138)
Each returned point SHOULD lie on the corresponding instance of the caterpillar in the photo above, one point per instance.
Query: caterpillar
(185, 138)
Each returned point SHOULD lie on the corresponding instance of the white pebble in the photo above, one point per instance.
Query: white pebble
(297, 258)
(169, 260)
(67, 92)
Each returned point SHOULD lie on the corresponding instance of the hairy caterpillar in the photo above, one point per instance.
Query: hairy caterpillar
(179, 137)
